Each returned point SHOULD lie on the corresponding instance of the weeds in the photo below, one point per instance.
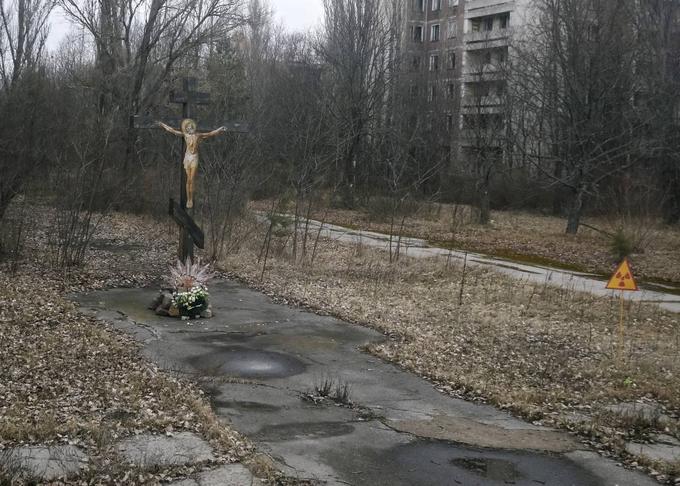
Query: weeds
(636, 424)
(327, 388)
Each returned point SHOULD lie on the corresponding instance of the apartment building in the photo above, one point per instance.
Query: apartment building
(456, 50)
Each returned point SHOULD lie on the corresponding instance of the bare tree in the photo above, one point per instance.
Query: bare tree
(140, 42)
(657, 25)
(23, 89)
(23, 30)
(356, 46)
(573, 74)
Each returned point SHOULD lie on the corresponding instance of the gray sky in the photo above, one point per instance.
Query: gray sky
(296, 15)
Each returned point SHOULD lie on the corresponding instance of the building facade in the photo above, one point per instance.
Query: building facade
(455, 55)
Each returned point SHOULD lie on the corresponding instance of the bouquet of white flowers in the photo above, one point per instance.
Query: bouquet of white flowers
(191, 302)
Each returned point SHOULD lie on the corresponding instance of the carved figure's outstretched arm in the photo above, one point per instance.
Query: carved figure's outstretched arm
(170, 129)
(213, 133)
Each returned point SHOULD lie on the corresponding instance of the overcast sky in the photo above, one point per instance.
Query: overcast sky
(296, 15)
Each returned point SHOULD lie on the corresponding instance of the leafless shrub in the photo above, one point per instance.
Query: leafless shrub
(332, 389)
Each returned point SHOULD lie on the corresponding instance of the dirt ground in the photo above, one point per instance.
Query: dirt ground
(550, 355)
(66, 378)
(524, 236)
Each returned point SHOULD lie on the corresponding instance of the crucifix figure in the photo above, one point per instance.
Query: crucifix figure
(191, 141)
(190, 233)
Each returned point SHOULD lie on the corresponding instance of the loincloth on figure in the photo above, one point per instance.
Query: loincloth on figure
(190, 160)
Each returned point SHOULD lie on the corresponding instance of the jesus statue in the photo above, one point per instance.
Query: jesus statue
(191, 139)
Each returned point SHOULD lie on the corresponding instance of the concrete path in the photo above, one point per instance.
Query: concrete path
(264, 359)
(665, 295)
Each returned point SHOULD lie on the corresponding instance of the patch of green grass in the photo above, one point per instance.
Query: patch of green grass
(512, 256)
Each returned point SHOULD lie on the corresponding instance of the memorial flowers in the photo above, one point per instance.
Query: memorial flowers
(186, 292)
(193, 302)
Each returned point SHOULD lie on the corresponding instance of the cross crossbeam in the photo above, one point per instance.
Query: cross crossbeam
(146, 122)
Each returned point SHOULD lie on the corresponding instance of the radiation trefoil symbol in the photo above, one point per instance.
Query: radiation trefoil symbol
(623, 278)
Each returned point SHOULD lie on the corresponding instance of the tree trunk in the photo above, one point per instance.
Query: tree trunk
(671, 209)
(557, 203)
(575, 211)
(484, 207)
(484, 199)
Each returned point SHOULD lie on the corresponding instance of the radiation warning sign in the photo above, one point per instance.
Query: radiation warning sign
(623, 278)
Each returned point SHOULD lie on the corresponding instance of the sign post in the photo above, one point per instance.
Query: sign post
(623, 281)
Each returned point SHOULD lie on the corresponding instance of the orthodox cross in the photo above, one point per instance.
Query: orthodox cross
(190, 233)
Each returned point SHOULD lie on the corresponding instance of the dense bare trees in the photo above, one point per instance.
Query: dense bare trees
(586, 99)
(356, 46)
(24, 93)
(574, 79)
(139, 43)
(658, 98)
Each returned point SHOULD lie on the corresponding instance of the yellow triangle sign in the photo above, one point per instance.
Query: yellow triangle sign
(623, 278)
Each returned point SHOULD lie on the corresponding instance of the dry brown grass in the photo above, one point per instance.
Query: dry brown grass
(527, 236)
(540, 351)
(68, 378)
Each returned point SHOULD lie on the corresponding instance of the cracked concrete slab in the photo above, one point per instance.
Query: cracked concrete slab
(404, 432)
(228, 475)
(148, 451)
(467, 431)
(45, 463)
(669, 452)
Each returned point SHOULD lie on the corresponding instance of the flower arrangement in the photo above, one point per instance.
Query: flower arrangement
(192, 302)
(185, 276)
(186, 294)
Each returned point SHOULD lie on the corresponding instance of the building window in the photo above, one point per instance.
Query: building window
(450, 91)
(481, 90)
(476, 25)
(434, 33)
(416, 63)
(502, 56)
(452, 28)
(418, 33)
(419, 5)
(434, 62)
(436, 5)
(487, 24)
(487, 57)
(449, 122)
(453, 3)
(413, 121)
(432, 93)
(451, 60)
(505, 21)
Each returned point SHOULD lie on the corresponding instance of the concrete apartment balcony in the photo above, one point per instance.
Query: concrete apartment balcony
(487, 72)
(470, 101)
(483, 8)
(483, 40)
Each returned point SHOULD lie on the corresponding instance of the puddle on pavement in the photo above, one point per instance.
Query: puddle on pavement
(302, 430)
(245, 406)
(320, 340)
(244, 362)
(497, 469)
(214, 339)
(435, 463)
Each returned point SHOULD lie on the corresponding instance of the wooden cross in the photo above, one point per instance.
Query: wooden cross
(189, 97)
